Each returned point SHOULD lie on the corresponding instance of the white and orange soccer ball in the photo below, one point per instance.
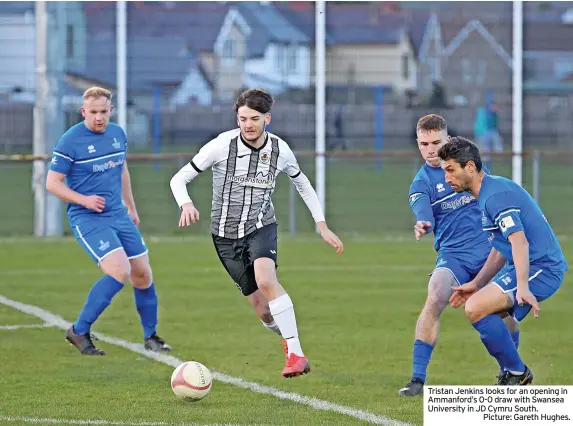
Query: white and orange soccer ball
(191, 381)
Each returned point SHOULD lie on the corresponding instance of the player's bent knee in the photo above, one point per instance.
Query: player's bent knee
(119, 274)
(435, 304)
(117, 266)
(265, 283)
(266, 280)
(141, 277)
(473, 310)
(488, 300)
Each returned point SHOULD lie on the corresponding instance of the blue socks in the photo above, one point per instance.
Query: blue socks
(98, 299)
(421, 359)
(515, 338)
(499, 343)
(146, 303)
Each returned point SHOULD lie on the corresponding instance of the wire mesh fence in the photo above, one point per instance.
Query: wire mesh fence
(366, 193)
(387, 63)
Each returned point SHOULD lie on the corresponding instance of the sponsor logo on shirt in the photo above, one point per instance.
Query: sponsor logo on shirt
(259, 181)
(107, 165)
(460, 202)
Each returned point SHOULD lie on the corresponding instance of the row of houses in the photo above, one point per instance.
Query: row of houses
(205, 52)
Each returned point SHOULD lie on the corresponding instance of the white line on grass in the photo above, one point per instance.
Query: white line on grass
(10, 419)
(19, 326)
(315, 403)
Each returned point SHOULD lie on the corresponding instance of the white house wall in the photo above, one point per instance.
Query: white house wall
(270, 75)
(194, 85)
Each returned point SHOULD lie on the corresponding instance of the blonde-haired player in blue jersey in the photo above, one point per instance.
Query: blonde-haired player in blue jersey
(525, 266)
(461, 246)
(89, 172)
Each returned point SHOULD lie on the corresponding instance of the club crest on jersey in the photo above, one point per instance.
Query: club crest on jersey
(91, 149)
(264, 158)
(115, 143)
(440, 187)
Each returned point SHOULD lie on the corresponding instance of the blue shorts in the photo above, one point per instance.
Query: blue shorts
(100, 237)
(543, 282)
(463, 271)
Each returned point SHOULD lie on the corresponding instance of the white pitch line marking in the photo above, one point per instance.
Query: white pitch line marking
(19, 326)
(317, 404)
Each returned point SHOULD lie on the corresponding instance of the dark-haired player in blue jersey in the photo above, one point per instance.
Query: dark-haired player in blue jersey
(526, 264)
(89, 172)
(459, 241)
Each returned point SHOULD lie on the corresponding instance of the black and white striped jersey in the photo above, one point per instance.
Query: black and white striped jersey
(243, 182)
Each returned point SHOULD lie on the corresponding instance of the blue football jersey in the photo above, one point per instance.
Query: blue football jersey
(507, 208)
(93, 164)
(455, 218)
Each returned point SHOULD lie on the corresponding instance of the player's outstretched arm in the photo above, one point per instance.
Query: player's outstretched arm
(492, 266)
(178, 184)
(55, 185)
(520, 253)
(127, 194)
(308, 194)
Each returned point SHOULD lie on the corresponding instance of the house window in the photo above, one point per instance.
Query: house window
(405, 67)
(280, 59)
(70, 41)
(229, 49)
(291, 58)
(229, 53)
(466, 70)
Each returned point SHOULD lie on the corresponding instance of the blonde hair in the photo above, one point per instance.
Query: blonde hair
(97, 92)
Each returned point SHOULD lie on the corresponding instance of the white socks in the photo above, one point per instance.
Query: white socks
(272, 326)
(282, 311)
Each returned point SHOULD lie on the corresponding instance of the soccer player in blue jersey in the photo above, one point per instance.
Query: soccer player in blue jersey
(459, 241)
(89, 172)
(526, 264)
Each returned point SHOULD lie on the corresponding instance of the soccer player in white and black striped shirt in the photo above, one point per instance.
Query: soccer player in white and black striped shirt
(245, 164)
